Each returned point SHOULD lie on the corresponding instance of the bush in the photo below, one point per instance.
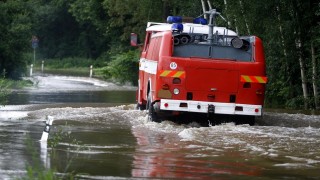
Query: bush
(123, 68)
(71, 62)
(4, 92)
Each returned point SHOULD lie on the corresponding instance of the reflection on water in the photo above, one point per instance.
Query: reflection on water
(100, 152)
(159, 156)
(67, 89)
(17, 98)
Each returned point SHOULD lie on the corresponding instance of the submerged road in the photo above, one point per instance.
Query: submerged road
(97, 134)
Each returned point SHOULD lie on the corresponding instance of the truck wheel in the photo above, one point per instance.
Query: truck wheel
(152, 115)
(140, 107)
(251, 120)
(246, 120)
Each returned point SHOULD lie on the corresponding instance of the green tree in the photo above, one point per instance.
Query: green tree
(124, 67)
(57, 30)
(287, 28)
(4, 91)
(15, 36)
(93, 20)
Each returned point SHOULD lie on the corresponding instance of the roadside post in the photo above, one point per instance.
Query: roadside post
(91, 71)
(31, 67)
(45, 133)
(43, 142)
(42, 66)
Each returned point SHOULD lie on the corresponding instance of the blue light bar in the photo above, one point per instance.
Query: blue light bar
(200, 21)
(174, 19)
(177, 27)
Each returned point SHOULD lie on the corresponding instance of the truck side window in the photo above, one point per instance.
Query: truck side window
(150, 49)
(157, 48)
(147, 41)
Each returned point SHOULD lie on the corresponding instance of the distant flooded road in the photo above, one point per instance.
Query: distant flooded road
(101, 136)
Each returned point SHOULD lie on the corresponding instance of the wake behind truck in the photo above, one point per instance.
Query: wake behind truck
(199, 68)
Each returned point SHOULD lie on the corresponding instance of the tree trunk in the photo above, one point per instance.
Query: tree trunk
(244, 17)
(235, 22)
(281, 33)
(165, 10)
(285, 65)
(314, 77)
(302, 71)
(226, 8)
(297, 35)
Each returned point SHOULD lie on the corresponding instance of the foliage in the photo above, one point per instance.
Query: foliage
(70, 62)
(4, 91)
(7, 85)
(122, 67)
(36, 170)
(132, 16)
(15, 26)
(283, 25)
(19, 84)
(53, 142)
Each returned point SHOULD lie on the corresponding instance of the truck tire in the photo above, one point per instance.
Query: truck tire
(245, 120)
(140, 107)
(251, 120)
(152, 115)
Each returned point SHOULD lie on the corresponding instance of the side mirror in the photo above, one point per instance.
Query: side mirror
(134, 40)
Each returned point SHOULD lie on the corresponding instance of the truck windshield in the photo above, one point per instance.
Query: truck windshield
(187, 46)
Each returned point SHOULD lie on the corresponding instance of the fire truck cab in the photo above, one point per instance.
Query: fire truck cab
(200, 68)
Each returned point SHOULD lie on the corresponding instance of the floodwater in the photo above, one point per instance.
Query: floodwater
(97, 134)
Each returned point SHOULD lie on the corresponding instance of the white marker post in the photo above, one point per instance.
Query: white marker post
(43, 142)
(45, 133)
(42, 66)
(31, 67)
(91, 71)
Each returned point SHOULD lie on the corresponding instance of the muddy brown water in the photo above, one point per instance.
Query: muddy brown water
(104, 137)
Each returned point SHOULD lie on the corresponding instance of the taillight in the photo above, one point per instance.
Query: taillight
(176, 81)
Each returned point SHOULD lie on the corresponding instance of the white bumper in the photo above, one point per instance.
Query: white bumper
(202, 107)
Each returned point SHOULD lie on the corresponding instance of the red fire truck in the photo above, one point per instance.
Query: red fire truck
(199, 68)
